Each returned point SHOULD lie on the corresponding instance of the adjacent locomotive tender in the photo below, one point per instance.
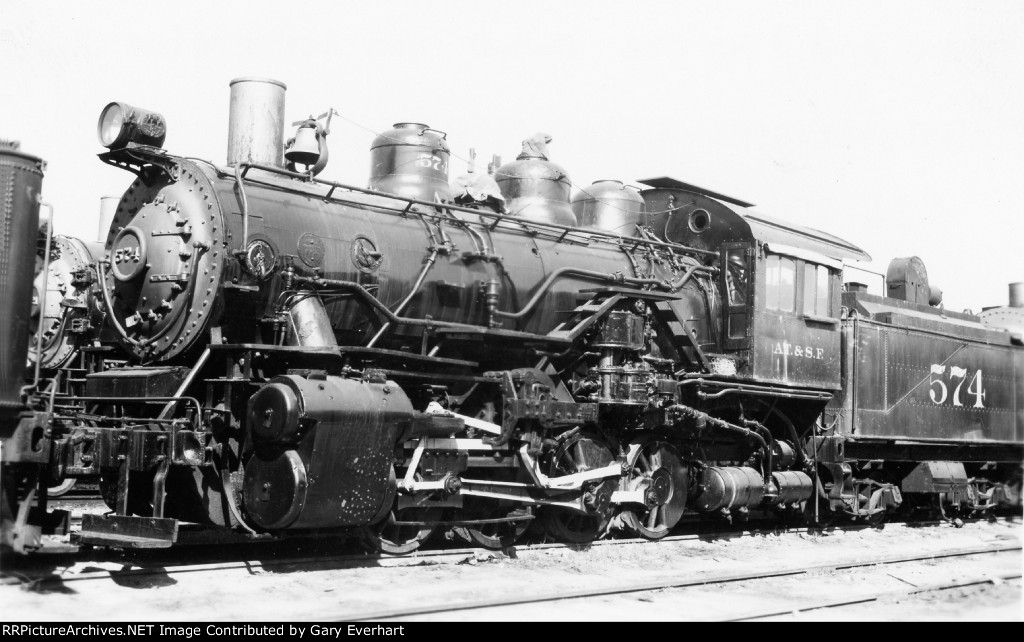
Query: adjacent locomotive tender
(272, 353)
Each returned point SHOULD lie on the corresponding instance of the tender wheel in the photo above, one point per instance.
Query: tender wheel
(878, 519)
(656, 467)
(581, 453)
(61, 488)
(394, 537)
(498, 535)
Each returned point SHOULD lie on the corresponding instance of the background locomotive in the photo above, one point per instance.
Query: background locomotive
(306, 356)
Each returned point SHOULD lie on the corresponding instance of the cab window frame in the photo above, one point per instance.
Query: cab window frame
(800, 288)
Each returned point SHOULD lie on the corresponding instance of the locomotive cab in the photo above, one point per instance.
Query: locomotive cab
(779, 285)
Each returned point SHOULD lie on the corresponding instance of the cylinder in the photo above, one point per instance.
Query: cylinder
(21, 178)
(108, 207)
(340, 473)
(274, 413)
(1017, 295)
(411, 160)
(256, 122)
(728, 487)
(537, 190)
(609, 206)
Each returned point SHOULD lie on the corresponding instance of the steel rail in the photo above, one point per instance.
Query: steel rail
(663, 584)
(851, 601)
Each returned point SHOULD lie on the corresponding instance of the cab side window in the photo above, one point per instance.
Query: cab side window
(816, 290)
(780, 283)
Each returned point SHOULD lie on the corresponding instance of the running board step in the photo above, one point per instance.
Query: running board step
(128, 531)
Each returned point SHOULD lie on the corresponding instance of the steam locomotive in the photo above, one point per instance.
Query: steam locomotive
(270, 353)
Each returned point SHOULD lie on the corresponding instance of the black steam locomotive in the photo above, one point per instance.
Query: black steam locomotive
(271, 353)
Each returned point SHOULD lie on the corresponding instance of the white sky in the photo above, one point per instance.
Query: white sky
(898, 126)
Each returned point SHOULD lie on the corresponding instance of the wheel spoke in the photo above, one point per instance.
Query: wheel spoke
(644, 465)
(587, 452)
(580, 460)
(652, 517)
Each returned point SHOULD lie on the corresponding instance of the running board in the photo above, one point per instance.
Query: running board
(128, 531)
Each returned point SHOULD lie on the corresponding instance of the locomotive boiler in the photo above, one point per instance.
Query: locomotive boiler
(298, 356)
(65, 311)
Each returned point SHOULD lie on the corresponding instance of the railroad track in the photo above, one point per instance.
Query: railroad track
(163, 563)
(866, 599)
(450, 608)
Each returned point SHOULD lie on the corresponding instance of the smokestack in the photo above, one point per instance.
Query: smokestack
(1017, 295)
(108, 207)
(256, 122)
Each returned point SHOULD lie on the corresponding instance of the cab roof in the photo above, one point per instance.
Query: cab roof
(733, 219)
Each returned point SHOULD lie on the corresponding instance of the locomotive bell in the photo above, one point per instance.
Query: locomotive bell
(306, 148)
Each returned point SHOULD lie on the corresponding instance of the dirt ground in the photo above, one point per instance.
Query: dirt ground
(248, 593)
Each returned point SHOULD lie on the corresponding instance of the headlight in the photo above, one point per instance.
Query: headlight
(121, 124)
(111, 122)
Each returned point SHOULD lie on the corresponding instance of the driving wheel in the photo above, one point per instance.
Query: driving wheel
(658, 472)
(580, 453)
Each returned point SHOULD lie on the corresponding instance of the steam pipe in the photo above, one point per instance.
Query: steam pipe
(587, 274)
(697, 379)
(767, 434)
(102, 281)
(693, 413)
(681, 281)
(394, 318)
(401, 306)
(380, 307)
(244, 206)
(191, 400)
